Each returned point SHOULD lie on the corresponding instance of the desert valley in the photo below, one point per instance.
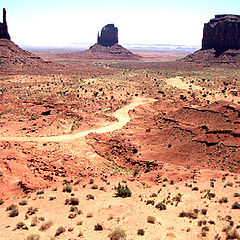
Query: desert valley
(112, 144)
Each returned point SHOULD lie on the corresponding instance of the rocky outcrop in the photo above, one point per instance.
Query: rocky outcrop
(109, 36)
(220, 43)
(4, 28)
(222, 33)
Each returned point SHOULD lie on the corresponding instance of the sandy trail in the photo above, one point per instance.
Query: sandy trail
(121, 114)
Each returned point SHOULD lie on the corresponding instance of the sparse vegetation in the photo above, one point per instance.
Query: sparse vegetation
(118, 234)
(151, 219)
(59, 231)
(122, 191)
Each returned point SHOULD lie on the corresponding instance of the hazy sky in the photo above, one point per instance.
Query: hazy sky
(61, 22)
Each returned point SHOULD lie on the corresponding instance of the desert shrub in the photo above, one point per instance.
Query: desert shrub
(204, 211)
(117, 234)
(72, 201)
(59, 231)
(33, 237)
(98, 227)
(79, 223)
(73, 209)
(232, 234)
(20, 225)
(152, 202)
(89, 215)
(229, 184)
(34, 221)
(178, 198)
(161, 206)
(102, 188)
(31, 211)
(122, 191)
(94, 186)
(23, 202)
(151, 219)
(236, 205)
(51, 198)
(91, 181)
(140, 232)
(209, 195)
(235, 195)
(14, 213)
(40, 192)
(183, 214)
(1, 202)
(11, 207)
(45, 226)
(135, 173)
(89, 196)
(190, 214)
(223, 200)
(67, 188)
(195, 189)
(172, 182)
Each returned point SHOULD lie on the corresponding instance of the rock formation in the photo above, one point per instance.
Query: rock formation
(4, 28)
(220, 43)
(107, 47)
(109, 36)
(222, 33)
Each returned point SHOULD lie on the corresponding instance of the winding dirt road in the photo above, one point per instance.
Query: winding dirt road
(121, 114)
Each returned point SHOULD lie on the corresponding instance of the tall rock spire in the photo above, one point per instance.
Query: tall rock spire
(3, 27)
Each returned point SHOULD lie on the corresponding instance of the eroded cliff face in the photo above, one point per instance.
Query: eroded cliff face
(222, 33)
(4, 28)
(109, 36)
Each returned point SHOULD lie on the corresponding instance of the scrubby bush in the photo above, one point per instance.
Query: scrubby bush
(117, 234)
(191, 214)
(123, 191)
(20, 225)
(23, 202)
(89, 215)
(34, 221)
(72, 201)
(14, 213)
(33, 237)
(89, 196)
(67, 188)
(161, 206)
(98, 227)
(140, 232)
(45, 226)
(94, 186)
(223, 200)
(11, 207)
(236, 205)
(151, 219)
(59, 231)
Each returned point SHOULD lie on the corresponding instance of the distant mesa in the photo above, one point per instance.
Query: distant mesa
(4, 28)
(221, 41)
